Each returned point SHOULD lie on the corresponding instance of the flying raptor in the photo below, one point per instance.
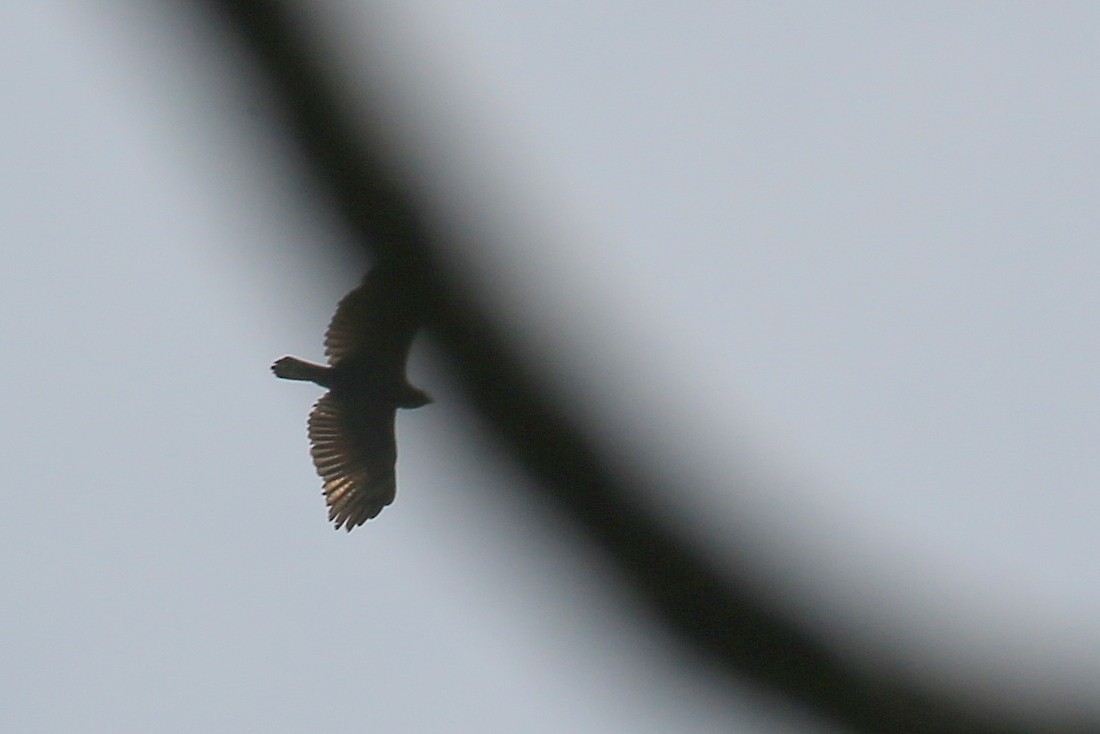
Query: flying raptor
(351, 428)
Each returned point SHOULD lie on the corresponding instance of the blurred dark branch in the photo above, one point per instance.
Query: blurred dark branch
(701, 603)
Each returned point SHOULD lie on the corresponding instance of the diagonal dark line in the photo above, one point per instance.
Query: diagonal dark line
(699, 602)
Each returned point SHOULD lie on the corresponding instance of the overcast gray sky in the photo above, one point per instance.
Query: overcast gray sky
(835, 262)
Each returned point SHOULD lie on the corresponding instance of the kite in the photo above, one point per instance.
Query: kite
(351, 428)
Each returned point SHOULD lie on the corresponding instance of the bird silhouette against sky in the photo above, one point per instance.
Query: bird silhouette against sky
(351, 428)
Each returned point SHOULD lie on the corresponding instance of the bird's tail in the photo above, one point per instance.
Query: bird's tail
(292, 368)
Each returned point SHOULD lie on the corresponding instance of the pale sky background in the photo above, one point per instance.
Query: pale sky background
(835, 264)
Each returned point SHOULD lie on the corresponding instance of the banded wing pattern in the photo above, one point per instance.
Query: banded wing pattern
(354, 453)
(375, 322)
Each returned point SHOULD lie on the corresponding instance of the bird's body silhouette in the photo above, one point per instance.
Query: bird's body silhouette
(351, 428)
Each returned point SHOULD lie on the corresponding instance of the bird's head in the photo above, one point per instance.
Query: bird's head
(412, 397)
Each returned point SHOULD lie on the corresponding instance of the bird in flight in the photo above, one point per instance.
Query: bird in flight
(351, 428)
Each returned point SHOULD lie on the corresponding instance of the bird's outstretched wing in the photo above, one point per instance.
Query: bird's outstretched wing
(376, 321)
(354, 450)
